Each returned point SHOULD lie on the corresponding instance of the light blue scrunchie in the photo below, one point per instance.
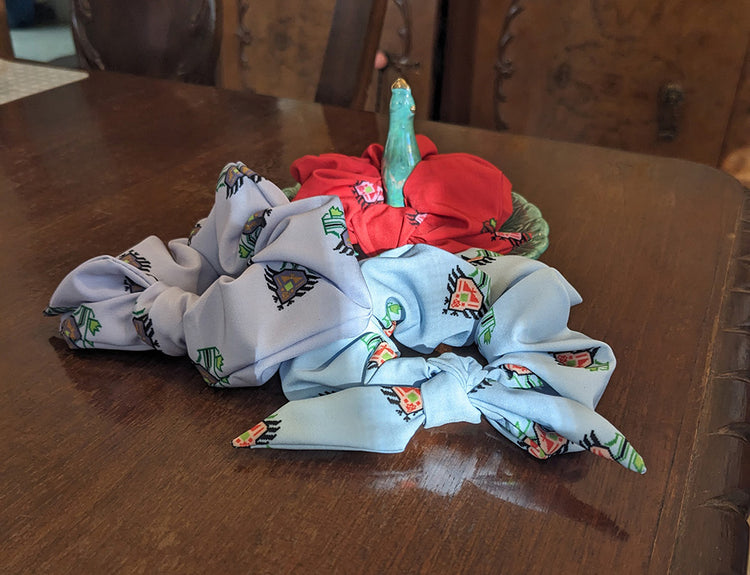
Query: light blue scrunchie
(536, 381)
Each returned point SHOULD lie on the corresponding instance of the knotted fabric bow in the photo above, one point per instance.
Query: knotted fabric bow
(453, 201)
(538, 383)
(259, 281)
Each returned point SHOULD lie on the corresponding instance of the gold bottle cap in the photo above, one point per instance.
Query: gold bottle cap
(400, 83)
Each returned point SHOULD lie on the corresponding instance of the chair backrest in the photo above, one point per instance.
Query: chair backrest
(176, 39)
(350, 52)
(305, 49)
(319, 50)
(6, 48)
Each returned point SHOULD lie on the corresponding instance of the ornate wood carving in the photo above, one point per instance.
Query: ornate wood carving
(177, 40)
(86, 51)
(243, 32)
(401, 62)
(590, 72)
(504, 65)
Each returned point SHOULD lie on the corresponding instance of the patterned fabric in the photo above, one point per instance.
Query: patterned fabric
(453, 201)
(262, 283)
(538, 384)
(239, 296)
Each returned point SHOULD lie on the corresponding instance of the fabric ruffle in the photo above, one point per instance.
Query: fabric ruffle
(453, 201)
(259, 281)
(262, 284)
(538, 382)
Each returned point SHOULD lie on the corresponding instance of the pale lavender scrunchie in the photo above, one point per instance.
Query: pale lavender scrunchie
(259, 281)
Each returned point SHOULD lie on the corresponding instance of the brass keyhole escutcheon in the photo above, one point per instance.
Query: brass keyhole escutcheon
(671, 97)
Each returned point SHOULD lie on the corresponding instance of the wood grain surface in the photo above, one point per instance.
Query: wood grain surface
(176, 39)
(121, 462)
(409, 38)
(736, 151)
(591, 71)
(281, 46)
(6, 46)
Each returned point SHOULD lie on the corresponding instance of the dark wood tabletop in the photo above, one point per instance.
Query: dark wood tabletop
(121, 462)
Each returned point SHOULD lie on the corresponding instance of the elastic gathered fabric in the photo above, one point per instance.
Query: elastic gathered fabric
(259, 281)
(537, 383)
(262, 284)
(453, 201)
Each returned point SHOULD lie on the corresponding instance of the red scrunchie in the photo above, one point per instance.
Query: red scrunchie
(453, 201)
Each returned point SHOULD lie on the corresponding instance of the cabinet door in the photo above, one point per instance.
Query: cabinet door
(607, 72)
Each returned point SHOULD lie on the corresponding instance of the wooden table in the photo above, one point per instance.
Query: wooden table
(120, 462)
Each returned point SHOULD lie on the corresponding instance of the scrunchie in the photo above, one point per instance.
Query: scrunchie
(258, 281)
(453, 201)
(538, 382)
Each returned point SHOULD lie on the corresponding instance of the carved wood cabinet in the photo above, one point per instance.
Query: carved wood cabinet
(664, 77)
(656, 76)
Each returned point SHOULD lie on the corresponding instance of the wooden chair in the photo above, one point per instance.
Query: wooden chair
(320, 50)
(6, 48)
(350, 52)
(175, 39)
(306, 49)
